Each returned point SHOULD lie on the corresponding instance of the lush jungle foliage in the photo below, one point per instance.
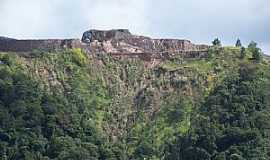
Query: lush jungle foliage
(69, 105)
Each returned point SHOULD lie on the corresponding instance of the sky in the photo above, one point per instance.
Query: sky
(197, 20)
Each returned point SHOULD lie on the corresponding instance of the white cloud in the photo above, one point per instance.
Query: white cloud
(37, 18)
(19, 18)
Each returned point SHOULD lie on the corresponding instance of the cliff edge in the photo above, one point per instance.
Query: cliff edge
(117, 42)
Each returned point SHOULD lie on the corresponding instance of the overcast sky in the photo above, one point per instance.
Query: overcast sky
(197, 20)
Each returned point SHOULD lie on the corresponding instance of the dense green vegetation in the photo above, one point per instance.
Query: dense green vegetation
(70, 105)
(233, 122)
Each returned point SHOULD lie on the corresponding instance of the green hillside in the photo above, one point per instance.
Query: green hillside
(69, 105)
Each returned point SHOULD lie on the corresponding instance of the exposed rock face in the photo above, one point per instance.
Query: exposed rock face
(122, 41)
(118, 43)
(12, 45)
(98, 35)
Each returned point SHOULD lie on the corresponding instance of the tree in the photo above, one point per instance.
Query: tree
(238, 43)
(252, 45)
(216, 42)
(256, 52)
(243, 52)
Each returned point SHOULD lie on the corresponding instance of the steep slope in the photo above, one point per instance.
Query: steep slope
(73, 105)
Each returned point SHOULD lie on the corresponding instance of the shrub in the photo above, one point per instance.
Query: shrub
(243, 52)
(7, 59)
(256, 52)
(78, 56)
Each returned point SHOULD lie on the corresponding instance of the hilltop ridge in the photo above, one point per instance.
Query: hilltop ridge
(118, 42)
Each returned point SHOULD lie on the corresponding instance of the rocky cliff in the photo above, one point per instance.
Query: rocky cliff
(115, 41)
(118, 42)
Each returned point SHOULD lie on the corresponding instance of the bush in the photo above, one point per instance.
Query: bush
(78, 56)
(7, 59)
(243, 52)
(256, 52)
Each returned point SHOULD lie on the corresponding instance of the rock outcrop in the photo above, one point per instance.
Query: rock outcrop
(118, 43)
(99, 35)
(123, 43)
